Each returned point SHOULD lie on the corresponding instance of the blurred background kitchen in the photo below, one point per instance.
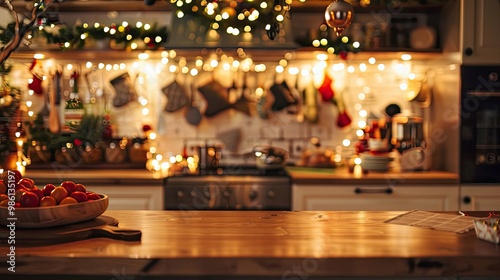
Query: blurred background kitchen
(337, 100)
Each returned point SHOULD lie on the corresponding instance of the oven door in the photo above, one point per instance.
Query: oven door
(480, 125)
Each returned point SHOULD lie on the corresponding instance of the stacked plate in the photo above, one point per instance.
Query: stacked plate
(372, 162)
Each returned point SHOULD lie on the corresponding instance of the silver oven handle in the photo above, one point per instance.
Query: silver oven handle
(484, 93)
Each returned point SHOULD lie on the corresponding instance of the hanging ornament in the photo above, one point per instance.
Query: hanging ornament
(36, 84)
(338, 15)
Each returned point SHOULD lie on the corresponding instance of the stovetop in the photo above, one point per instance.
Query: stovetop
(229, 188)
(233, 170)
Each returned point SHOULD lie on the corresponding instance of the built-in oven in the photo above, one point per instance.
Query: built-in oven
(480, 124)
(229, 188)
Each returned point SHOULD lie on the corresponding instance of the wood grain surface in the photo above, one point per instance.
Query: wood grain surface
(272, 243)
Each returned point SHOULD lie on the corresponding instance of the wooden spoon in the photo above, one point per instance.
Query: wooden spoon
(54, 123)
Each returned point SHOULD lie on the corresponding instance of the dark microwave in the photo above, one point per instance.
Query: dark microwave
(480, 124)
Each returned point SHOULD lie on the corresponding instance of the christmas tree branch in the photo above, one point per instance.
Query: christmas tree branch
(20, 27)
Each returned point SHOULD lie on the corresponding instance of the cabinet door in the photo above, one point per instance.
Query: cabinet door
(132, 197)
(480, 22)
(375, 198)
(480, 198)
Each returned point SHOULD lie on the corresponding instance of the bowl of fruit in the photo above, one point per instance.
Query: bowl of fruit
(26, 205)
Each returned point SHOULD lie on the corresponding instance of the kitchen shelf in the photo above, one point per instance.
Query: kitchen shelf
(309, 6)
(257, 54)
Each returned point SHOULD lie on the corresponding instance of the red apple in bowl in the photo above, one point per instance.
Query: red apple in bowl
(69, 186)
(81, 188)
(11, 176)
(79, 196)
(47, 201)
(27, 183)
(38, 192)
(47, 189)
(29, 199)
(93, 196)
(59, 193)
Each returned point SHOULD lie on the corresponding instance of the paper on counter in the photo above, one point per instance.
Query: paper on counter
(437, 221)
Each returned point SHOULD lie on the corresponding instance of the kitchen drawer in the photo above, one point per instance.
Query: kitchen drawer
(375, 197)
(132, 197)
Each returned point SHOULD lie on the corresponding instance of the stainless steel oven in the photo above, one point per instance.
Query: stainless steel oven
(480, 124)
(236, 188)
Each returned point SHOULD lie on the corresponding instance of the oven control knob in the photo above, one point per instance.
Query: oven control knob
(270, 193)
(180, 194)
(193, 193)
(252, 195)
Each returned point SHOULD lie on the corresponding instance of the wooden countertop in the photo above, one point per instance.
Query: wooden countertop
(279, 245)
(309, 176)
(96, 176)
(325, 176)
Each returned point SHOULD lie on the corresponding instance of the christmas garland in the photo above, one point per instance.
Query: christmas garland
(76, 37)
(236, 17)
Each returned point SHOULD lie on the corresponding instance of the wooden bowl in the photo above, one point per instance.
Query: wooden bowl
(43, 217)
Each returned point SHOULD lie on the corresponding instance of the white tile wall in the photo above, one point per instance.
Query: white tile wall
(380, 88)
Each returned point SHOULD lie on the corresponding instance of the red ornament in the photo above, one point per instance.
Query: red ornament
(343, 55)
(146, 128)
(77, 142)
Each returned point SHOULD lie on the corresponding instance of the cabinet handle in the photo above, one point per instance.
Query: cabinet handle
(466, 199)
(469, 51)
(359, 190)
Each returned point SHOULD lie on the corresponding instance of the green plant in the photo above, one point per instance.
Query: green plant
(88, 131)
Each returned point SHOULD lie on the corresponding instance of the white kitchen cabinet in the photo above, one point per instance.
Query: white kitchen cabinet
(479, 30)
(480, 198)
(132, 197)
(375, 197)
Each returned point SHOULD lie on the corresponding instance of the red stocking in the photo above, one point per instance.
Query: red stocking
(36, 84)
(325, 89)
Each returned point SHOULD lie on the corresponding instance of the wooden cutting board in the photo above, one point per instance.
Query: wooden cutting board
(102, 226)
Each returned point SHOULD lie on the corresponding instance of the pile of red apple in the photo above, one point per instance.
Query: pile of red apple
(27, 194)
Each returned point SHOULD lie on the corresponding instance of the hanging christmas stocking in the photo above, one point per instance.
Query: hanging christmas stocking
(343, 118)
(36, 84)
(125, 91)
(325, 89)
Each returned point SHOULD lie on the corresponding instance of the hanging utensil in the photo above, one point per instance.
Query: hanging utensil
(300, 100)
(242, 104)
(193, 114)
(54, 122)
(310, 98)
(45, 111)
(232, 92)
(58, 79)
(263, 103)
